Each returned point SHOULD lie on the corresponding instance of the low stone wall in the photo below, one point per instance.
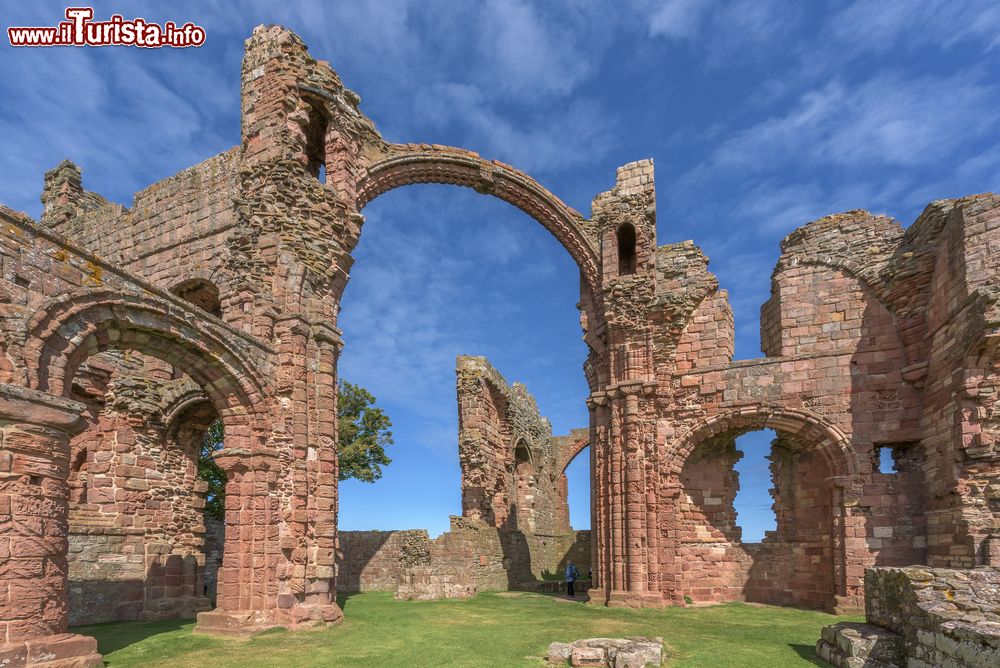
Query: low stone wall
(376, 560)
(118, 575)
(472, 557)
(933, 617)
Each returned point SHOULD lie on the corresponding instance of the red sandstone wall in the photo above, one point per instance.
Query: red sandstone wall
(511, 476)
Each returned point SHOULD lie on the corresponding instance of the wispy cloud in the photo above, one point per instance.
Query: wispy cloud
(575, 133)
(707, 26)
(882, 25)
(526, 56)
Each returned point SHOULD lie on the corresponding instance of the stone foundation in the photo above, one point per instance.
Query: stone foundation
(60, 650)
(854, 645)
(923, 618)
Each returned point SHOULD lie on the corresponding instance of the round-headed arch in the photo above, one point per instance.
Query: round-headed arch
(801, 426)
(571, 446)
(422, 163)
(72, 328)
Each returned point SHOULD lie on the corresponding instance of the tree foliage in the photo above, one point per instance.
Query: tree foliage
(210, 472)
(363, 431)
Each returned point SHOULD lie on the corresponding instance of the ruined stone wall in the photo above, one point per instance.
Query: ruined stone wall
(107, 577)
(945, 616)
(845, 385)
(475, 557)
(376, 560)
(510, 469)
(136, 504)
(515, 526)
(175, 230)
(921, 617)
(880, 342)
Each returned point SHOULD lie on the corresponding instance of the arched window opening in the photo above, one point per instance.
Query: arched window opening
(522, 460)
(524, 489)
(762, 499)
(752, 502)
(575, 488)
(626, 249)
(315, 132)
(214, 513)
(200, 293)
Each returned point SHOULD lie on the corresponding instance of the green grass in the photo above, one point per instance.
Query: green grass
(490, 630)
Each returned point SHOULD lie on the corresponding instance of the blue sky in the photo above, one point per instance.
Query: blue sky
(760, 115)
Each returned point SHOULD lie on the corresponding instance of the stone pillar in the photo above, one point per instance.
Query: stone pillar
(261, 580)
(848, 568)
(599, 486)
(625, 516)
(248, 590)
(320, 587)
(636, 516)
(34, 515)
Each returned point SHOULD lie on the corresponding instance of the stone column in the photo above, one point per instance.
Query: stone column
(320, 589)
(599, 486)
(848, 570)
(248, 589)
(633, 509)
(624, 513)
(262, 580)
(34, 516)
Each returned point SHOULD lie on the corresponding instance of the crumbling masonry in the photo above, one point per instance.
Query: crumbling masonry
(126, 330)
(514, 530)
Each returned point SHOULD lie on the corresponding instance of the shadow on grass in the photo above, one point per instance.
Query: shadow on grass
(808, 652)
(114, 636)
(344, 597)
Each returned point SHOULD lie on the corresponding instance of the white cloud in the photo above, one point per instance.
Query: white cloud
(679, 19)
(881, 25)
(577, 132)
(525, 56)
(887, 120)
(732, 32)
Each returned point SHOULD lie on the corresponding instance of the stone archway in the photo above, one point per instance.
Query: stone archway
(418, 163)
(73, 328)
(65, 333)
(803, 563)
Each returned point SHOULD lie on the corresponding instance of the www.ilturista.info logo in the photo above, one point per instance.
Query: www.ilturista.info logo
(80, 30)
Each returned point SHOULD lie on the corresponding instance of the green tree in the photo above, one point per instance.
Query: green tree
(363, 431)
(210, 472)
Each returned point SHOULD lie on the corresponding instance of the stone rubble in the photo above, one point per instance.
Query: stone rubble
(632, 652)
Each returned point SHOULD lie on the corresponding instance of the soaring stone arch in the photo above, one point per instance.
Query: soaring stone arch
(419, 163)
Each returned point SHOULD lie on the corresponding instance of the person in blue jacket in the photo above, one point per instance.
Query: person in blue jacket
(572, 575)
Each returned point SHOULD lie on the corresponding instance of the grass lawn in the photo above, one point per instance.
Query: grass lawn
(489, 630)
